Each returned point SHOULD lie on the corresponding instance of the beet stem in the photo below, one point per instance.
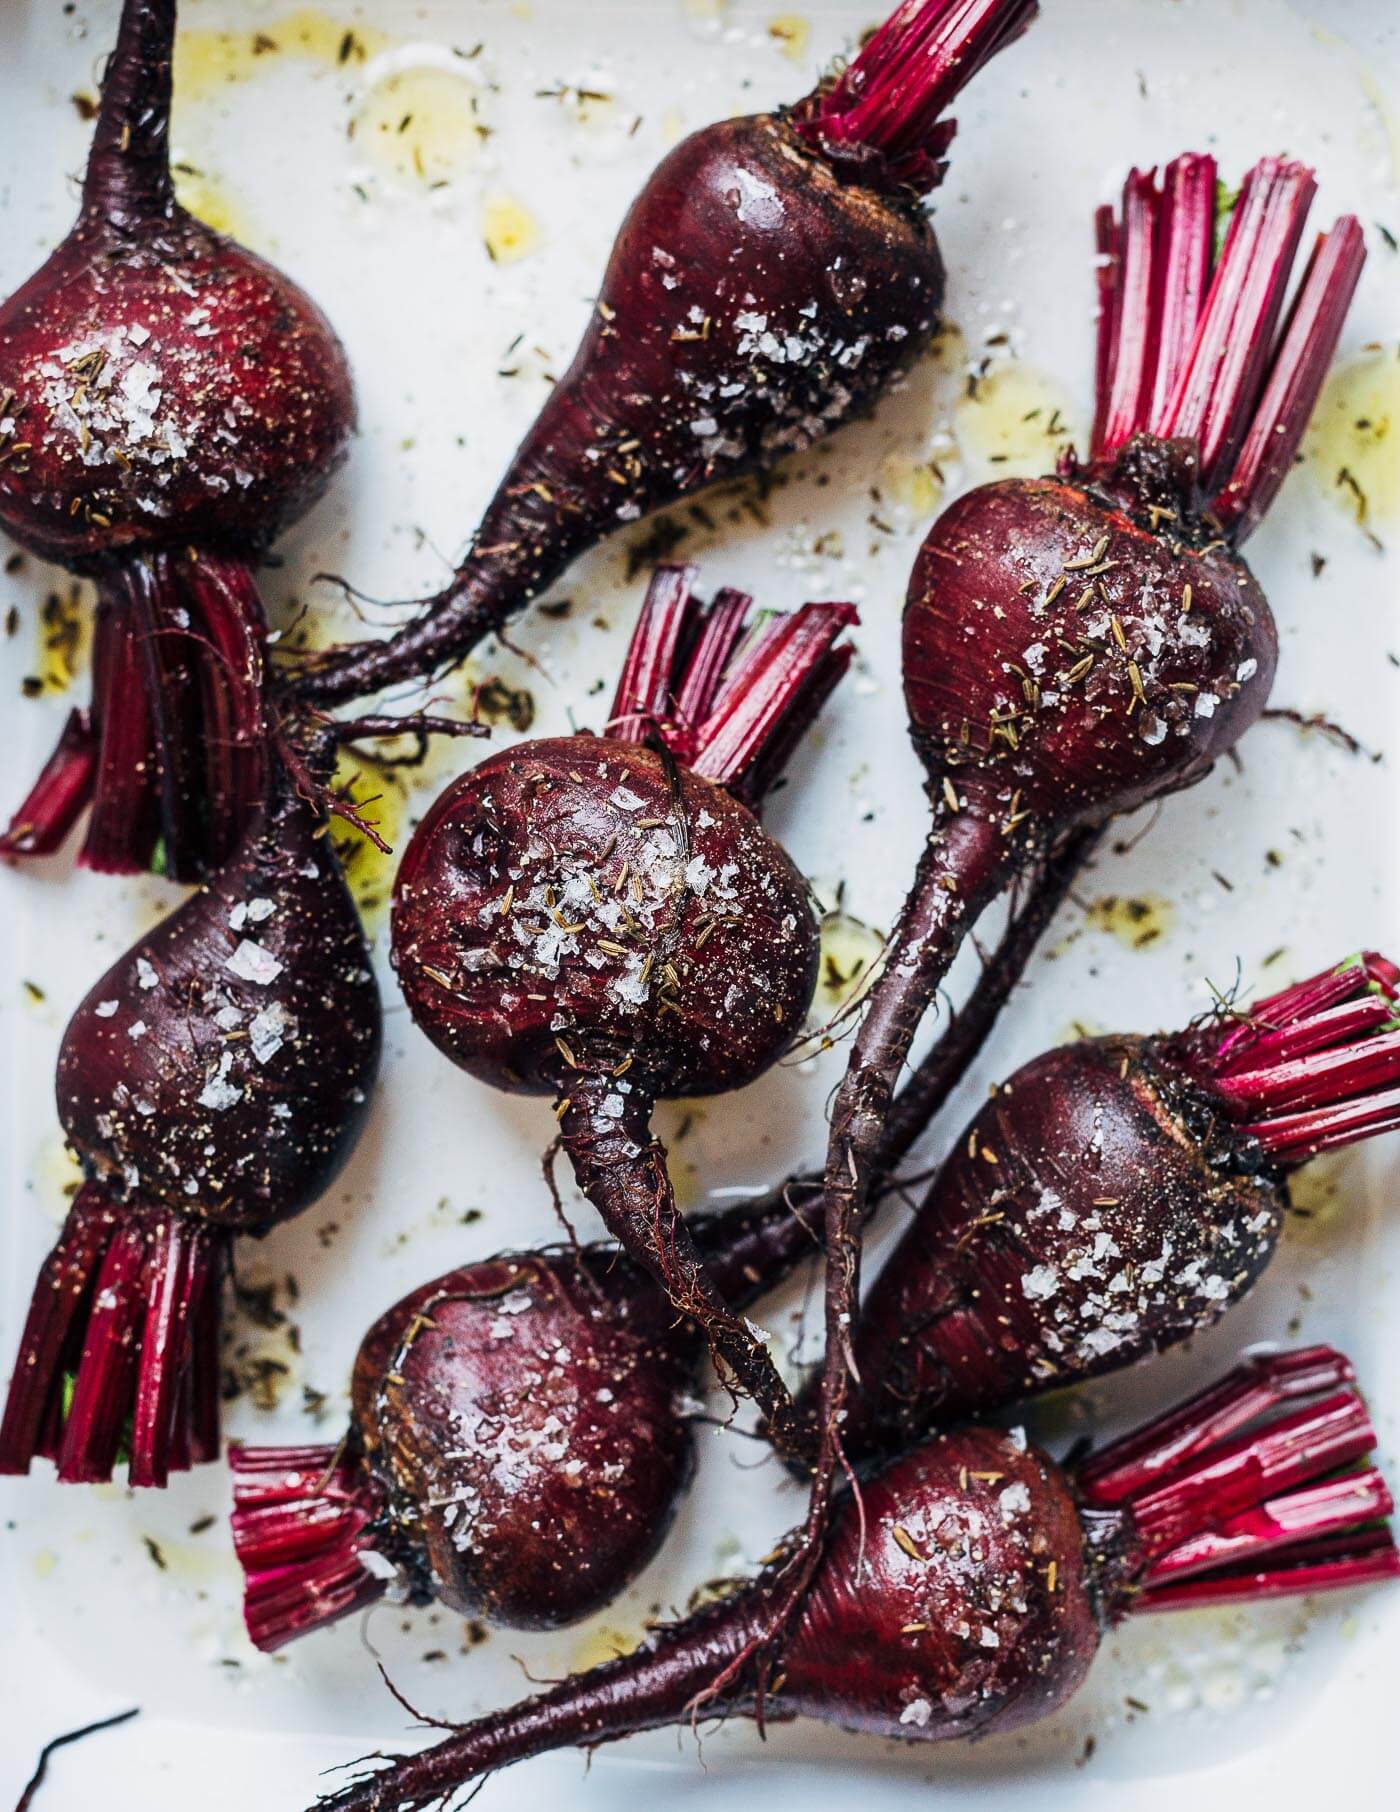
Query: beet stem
(125, 823)
(57, 798)
(1183, 255)
(891, 96)
(128, 178)
(621, 1169)
(704, 669)
(1295, 380)
(298, 1517)
(1131, 355)
(644, 704)
(1220, 383)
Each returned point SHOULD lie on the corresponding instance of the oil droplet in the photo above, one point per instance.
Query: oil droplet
(208, 60)
(1138, 921)
(850, 951)
(421, 123)
(208, 200)
(792, 33)
(44, 1563)
(65, 637)
(672, 125)
(1353, 446)
(605, 1643)
(1319, 1194)
(1013, 421)
(913, 486)
(509, 228)
(380, 795)
(57, 1178)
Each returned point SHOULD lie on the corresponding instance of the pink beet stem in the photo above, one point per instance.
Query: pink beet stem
(891, 96)
(1368, 971)
(298, 1517)
(1108, 249)
(772, 693)
(1212, 1486)
(228, 631)
(170, 664)
(1182, 259)
(122, 831)
(1138, 1461)
(1295, 380)
(105, 1380)
(179, 1272)
(1132, 355)
(1215, 397)
(57, 798)
(644, 699)
(1293, 1138)
(1370, 1557)
(718, 636)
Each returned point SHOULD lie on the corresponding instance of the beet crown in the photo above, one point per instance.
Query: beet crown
(968, 1591)
(774, 276)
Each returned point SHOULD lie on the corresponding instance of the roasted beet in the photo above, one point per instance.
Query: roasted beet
(773, 278)
(971, 1592)
(212, 1083)
(1113, 1198)
(1075, 646)
(603, 921)
(520, 1432)
(168, 404)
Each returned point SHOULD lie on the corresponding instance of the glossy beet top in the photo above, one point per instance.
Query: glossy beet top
(575, 902)
(1097, 663)
(222, 1066)
(977, 1606)
(169, 388)
(525, 1418)
(1097, 1208)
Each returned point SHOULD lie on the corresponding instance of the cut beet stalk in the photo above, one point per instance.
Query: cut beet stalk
(1182, 259)
(1293, 1520)
(645, 698)
(58, 797)
(124, 827)
(302, 1518)
(1108, 259)
(1131, 368)
(1295, 381)
(1216, 394)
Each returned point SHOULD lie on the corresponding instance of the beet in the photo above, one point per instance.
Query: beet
(775, 275)
(169, 403)
(1115, 1197)
(604, 922)
(969, 1591)
(1076, 646)
(521, 1427)
(213, 1083)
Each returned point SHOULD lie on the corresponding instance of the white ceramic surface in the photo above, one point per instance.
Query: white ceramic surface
(1282, 1704)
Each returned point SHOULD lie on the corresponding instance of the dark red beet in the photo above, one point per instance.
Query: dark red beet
(1079, 645)
(970, 1594)
(212, 1083)
(572, 1367)
(604, 922)
(773, 278)
(168, 404)
(1113, 1198)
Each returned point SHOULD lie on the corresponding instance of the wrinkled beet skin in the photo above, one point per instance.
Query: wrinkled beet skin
(739, 221)
(959, 1322)
(265, 1167)
(534, 1452)
(854, 1658)
(741, 996)
(968, 626)
(263, 403)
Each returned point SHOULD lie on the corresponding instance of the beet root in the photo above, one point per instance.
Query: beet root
(604, 921)
(1113, 1198)
(774, 277)
(168, 404)
(521, 1426)
(1077, 646)
(212, 1083)
(969, 1593)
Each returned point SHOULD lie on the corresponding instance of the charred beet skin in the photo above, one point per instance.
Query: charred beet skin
(168, 404)
(774, 277)
(970, 1592)
(604, 922)
(213, 1083)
